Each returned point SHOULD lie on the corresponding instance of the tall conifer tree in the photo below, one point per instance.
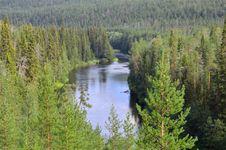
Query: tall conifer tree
(8, 53)
(222, 75)
(163, 118)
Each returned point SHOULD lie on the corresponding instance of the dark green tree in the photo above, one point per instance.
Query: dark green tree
(163, 118)
(173, 43)
(214, 134)
(221, 57)
(28, 55)
(8, 52)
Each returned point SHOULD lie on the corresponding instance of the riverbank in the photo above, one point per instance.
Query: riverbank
(86, 64)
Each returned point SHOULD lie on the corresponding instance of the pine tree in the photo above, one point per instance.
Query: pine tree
(48, 114)
(53, 50)
(215, 35)
(28, 52)
(9, 111)
(21, 55)
(180, 46)
(221, 57)
(214, 134)
(93, 38)
(71, 43)
(163, 118)
(74, 131)
(32, 57)
(67, 124)
(30, 137)
(7, 51)
(173, 54)
(63, 66)
(83, 98)
(99, 140)
(107, 49)
(206, 68)
(113, 126)
(129, 129)
(87, 53)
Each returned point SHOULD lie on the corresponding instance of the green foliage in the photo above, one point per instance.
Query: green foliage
(28, 61)
(173, 43)
(198, 65)
(29, 123)
(39, 116)
(214, 134)
(142, 64)
(100, 44)
(8, 53)
(221, 57)
(9, 110)
(48, 113)
(163, 118)
(75, 133)
(117, 13)
(113, 125)
(128, 128)
(37, 109)
(118, 140)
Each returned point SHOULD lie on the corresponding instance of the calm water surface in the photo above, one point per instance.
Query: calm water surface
(106, 85)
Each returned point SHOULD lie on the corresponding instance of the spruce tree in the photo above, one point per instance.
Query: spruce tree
(107, 49)
(221, 57)
(129, 133)
(113, 126)
(173, 44)
(87, 53)
(63, 66)
(68, 124)
(84, 97)
(163, 118)
(9, 111)
(74, 131)
(28, 52)
(8, 53)
(48, 114)
(30, 137)
(53, 50)
(32, 57)
(214, 134)
(215, 35)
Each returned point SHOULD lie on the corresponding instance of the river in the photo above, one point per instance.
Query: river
(106, 85)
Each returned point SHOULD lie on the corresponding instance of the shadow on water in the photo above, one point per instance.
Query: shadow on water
(103, 76)
(133, 103)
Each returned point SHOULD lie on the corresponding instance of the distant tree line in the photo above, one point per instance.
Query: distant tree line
(117, 13)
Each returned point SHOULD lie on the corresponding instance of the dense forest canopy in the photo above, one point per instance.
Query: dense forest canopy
(114, 13)
(177, 79)
(196, 61)
(37, 106)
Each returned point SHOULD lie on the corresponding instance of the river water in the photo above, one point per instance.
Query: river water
(104, 85)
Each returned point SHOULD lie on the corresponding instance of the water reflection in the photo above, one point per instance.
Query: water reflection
(133, 103)
(107, 85)
(103, 76)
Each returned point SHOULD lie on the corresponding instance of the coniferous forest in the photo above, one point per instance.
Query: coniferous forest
(176, 53)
